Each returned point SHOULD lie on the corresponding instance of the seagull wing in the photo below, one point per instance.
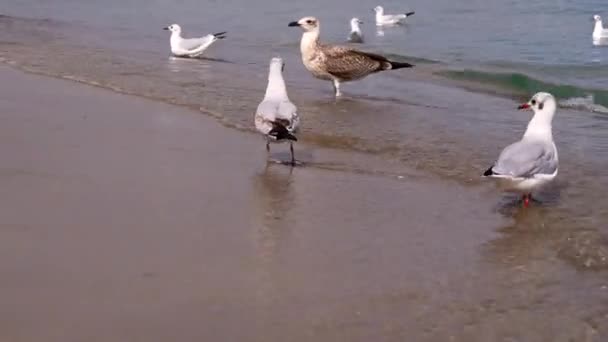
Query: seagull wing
(287, 112)
(525, 159)
(396, 17)
(197, 43)
(277, 119)
(347, 64)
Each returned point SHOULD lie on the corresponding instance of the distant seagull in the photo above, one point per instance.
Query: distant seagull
(338, 63)
(599, 32)
(190, 47)
(355, 36)
(390, 19)
(276, 117)
(531, 162)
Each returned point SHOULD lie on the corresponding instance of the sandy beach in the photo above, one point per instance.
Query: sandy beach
(124, 219)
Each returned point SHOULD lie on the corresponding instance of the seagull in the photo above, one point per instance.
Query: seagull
(338, 63)
(390, 19)
(276, 117)
(190, 47)
(599, 32)
(355, 36)
(532, 162)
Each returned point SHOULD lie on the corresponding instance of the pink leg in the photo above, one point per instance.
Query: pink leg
(526, 199)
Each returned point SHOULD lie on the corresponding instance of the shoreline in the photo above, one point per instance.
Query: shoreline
(366, 157)
(128, 219)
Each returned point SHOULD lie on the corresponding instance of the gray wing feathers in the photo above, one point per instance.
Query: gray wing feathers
(396, 16)
(526, 159)
(195, 43)
(283, 112)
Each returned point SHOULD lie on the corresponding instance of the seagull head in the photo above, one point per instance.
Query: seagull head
(379, 9)
(277, 63)
(173, 28)
(597, 18)
(542, 104)
(355, 22)
(308, 24)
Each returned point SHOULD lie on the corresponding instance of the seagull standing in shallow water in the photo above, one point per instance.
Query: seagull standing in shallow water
(190, 47)
(276, 117)
(355, 36)
(390, 19)
(599, 32)
(531, 162)
(338, 63)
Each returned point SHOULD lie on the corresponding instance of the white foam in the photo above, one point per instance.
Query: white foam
(586, 103)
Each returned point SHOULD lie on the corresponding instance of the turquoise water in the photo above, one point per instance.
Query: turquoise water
(518, 46)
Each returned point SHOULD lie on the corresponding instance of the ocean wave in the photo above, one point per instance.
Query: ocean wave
(519, 84)
(586, 103)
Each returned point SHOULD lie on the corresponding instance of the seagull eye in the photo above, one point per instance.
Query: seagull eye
(309, 21)
(533, 102)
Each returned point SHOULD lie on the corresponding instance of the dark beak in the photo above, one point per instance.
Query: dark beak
(293, 24)
(166, 28)
(523, 106)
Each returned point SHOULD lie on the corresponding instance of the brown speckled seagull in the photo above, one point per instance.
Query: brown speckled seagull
(338, 63)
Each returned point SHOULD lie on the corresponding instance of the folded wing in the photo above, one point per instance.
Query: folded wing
(347, 64)
(525, 159)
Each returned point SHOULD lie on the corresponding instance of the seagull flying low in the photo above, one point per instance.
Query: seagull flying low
(390, 19)
(276, 117)
(532, 162)
(190, 47)
(338, 63)
(355, 36)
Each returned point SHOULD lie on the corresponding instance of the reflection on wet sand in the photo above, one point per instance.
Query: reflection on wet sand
(532, 235)
(273, 198)
(198, 64)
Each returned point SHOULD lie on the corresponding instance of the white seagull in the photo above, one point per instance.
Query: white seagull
(599, 32)
(390, 19)
(532, 162)
(190, 47)
(338, 63)
(276, 117)
(355, 36)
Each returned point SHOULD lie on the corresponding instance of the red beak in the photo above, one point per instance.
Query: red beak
(523, 106)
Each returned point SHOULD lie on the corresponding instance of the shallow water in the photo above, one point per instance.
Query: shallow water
(118, 225)
(448, 117)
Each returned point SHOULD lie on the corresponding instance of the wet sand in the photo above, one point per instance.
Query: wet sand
(124, 219)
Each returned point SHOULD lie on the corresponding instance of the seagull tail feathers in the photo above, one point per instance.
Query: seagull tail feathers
(410, 13)
(290, 136)
(400, 65)
(280, 132)
(220, 35)
(489, 172)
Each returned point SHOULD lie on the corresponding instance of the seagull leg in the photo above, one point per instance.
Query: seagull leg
(267, 146)
(293, 158)
(526, 199)
(336, 84)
